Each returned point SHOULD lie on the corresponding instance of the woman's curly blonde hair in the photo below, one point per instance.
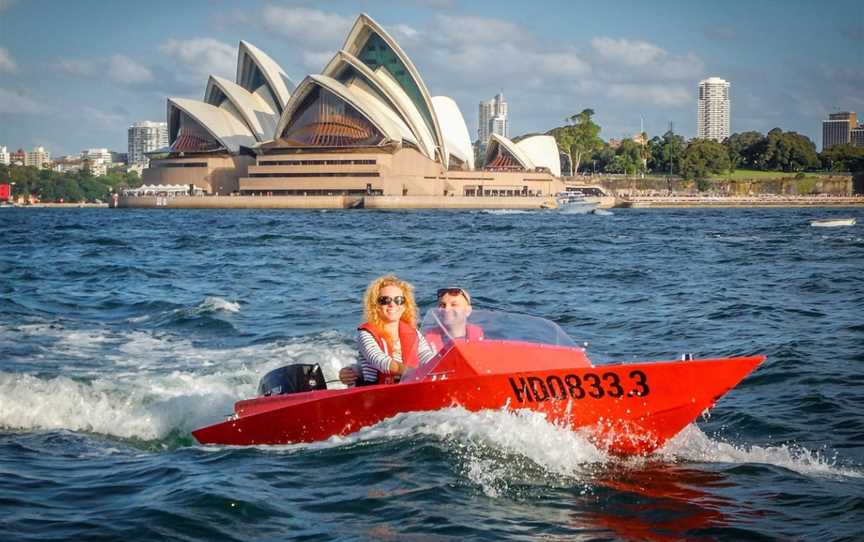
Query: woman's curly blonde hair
(370, 302)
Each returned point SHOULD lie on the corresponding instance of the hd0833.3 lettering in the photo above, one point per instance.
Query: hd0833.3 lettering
(586, 386)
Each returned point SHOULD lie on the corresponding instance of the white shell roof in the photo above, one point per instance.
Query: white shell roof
(277, 79)
(256, 112)
(360, 101)
(230, 131)
(454, 129)
(391, 90)
(518, 154)
(368, 97)
(542, 150)
(352, 46)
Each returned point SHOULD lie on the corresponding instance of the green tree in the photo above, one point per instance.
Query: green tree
(789, 151)
(845, 157)
(703, 157)
(628, 157)
(745, 149)
(602, 157)
(580, 139)
(665, 153)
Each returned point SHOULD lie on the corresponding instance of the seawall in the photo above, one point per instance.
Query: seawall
(332, 202)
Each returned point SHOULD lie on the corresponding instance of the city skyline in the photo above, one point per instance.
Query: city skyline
(75, 91)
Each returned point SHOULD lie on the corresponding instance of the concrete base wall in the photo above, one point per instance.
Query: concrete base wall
(331, 202)
(451, 202)
(240, 202)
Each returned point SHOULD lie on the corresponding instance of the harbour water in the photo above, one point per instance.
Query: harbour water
(122, 330)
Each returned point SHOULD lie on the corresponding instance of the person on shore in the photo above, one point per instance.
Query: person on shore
(389, 341)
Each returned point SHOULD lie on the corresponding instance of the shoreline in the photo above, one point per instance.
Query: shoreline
(708, 202)
(453, 203)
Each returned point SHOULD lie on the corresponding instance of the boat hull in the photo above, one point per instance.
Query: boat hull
(626, 409)
(833, 223)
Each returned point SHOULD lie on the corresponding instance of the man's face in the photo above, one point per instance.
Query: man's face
(456, 309)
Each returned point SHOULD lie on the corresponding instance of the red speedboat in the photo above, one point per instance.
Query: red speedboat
(521, 362)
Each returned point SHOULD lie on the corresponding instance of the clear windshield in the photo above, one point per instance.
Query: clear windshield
(492, 325)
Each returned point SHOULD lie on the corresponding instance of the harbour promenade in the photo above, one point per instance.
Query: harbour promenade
(344, 202)
(764, 200)
(467, 203)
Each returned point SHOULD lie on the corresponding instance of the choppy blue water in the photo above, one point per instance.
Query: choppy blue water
(121, 330)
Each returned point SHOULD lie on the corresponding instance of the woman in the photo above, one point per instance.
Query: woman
(389, 341)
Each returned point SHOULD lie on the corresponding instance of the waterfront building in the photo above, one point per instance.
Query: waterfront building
(712, 120)
(856, 136)
(5, 159)
(96, 161)
(18, 157)
(145, 137)
(837, 130)
(94, 155)
(66, 164)
(38, 157)
(366, 125)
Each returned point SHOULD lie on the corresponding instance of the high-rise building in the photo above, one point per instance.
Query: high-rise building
(97, 161)
(837, 130)
(712, 120)
(18, 157)
(37, 157)
(856, 136)
(493, 119)
(4, 156)
(144, 137)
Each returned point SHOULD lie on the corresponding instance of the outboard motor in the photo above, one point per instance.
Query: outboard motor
(292, 379)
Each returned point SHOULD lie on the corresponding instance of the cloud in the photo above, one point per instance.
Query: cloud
(80, 68)
(123, 69)
(118, 68)
(626, 52)
(310, 28)
(103, 119)
(7, 64)
(453, 32)
(315, 60)
(18, 103)
(664, 95)
(196, 59)
(623, 59)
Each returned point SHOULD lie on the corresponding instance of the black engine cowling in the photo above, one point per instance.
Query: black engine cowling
(292, 379)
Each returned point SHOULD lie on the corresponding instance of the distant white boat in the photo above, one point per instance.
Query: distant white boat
(832, 222)
(573, 202)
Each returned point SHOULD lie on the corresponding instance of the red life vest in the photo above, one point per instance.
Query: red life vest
(437, 338)
(407, 340)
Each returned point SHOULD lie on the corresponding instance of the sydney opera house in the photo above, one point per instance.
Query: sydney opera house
(366, 125)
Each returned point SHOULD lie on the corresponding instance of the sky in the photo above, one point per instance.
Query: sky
(75, 74)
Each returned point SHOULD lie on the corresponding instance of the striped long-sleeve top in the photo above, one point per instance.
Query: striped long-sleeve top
(374, 360)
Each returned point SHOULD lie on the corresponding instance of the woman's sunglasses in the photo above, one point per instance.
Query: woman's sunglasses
(386, 300)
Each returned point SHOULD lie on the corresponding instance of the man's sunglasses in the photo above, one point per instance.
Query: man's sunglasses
(386, 300)
(453, 291)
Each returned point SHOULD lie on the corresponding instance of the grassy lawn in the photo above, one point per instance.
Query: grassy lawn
(740, 174)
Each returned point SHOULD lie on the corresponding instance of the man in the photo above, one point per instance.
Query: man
(454, 306)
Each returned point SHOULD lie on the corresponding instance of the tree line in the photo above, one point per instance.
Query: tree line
(70, 186)
(671, 154)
